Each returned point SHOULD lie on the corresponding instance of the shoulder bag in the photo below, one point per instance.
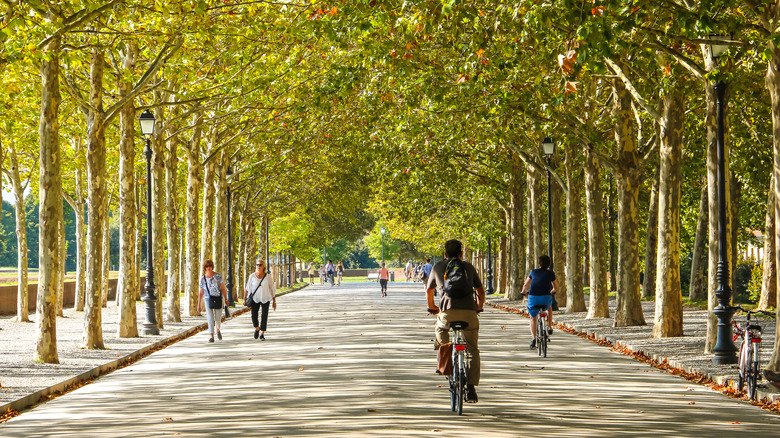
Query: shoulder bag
(215, 301)
(248, 300)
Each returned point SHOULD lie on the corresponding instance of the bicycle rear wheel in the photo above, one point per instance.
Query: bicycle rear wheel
(539, 334)
(460, 381)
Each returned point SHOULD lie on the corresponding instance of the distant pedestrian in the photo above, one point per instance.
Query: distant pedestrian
(312, 271)
(322, 274)
(262, 287)
(426, 271)
(384, 275)
(408, 270)
(213, 295)
(340, 271)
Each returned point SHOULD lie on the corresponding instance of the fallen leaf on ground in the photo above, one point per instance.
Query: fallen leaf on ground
(692, 403)
(168, 419)
(320, 348)
(735, 422)
(372, 410)
(597, 407)
(300, 369)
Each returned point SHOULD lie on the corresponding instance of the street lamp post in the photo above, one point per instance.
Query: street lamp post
(725, 352)
(489, 275)
(382, 230)
(150, 323)
(548, 146)
(229, 285)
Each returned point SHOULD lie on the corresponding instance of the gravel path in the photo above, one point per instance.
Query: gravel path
(21, 376)
(685, 353)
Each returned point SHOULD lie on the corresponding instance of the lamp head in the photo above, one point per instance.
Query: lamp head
(715, 49)
(382, 230)
(548, 146)
(147, 122)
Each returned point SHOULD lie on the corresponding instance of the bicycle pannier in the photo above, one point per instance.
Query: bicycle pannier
(445, 359)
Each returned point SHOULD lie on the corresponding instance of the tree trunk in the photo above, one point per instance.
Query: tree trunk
(49, 204)
(769, 276)
(81, 243)
(63, 255)
(139, 235)
(773, 84)
(599, 298)
(586, 259)
(668, 294)
(174, 288)
(207, 226)
(219, 238)
(128, 282)
(698, 285)
(559, 262)
(158, 214)
(22, 305)
(96, 173)
(516, 276)
(574, 288)
(628, 311)
(612, 253)
(651, 240)
(193, 269)
(106, 255)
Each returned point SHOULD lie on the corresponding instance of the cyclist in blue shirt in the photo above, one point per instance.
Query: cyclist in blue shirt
(540, 287)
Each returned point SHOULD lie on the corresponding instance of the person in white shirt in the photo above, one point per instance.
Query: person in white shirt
(262, 287)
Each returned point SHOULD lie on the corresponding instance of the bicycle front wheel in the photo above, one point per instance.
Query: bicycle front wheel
(744, 360)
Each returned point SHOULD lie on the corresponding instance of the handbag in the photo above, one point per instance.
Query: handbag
(215, 301)
(445, 359)
(248, 300)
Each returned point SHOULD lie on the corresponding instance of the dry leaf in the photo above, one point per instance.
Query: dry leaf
(692, 403)
(597, 407)
(168, 419)
(735, 422)
(320, 348)
(372, 410)
(300, 369)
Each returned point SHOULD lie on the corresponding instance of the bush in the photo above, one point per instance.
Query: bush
(743, 274)
(756, 279)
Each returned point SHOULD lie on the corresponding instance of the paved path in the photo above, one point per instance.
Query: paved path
(345, 362)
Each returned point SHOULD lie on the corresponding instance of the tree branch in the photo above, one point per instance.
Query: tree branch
(631, 89)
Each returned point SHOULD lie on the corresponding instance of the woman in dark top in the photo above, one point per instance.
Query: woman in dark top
(540, 287)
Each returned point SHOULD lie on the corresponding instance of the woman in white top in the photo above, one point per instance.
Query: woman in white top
(213, 283)
(262, 287)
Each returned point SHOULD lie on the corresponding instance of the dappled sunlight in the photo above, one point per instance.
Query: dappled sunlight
(345, 362)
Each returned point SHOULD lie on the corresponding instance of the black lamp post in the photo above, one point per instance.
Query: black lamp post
(489, 275)
(150, 324)
(229, 285)
(548, 146)
(382, 230)
(725, 352)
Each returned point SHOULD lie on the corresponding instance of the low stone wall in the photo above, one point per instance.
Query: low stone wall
(8, 295)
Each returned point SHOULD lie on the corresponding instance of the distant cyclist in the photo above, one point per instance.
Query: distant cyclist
(540, 287)
(457, 280)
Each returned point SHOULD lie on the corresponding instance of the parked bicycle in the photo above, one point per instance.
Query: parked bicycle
(460, 367)
(749, 365)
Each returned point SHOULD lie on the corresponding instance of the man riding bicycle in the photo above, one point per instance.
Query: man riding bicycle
(457, 280)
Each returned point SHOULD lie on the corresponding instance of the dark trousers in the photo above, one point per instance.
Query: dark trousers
(264, 318)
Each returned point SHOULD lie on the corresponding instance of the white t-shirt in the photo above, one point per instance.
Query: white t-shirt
(266, 291)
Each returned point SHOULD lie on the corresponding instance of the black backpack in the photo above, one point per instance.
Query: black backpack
(457, 283)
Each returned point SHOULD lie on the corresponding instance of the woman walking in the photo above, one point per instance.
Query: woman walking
(384, 275)
(340, 271)
(213, 295)
(260, 286)
(311, 272)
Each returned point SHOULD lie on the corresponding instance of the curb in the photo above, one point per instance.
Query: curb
(728, 386)
(13, 408)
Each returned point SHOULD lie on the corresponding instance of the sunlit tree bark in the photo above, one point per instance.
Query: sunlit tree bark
(599, 299)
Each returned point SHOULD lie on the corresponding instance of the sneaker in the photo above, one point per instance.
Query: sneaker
(211, 339)
(262, 337)
(533, 344)
(549, 331)
(219, 335)
(471, 394)
(257, 334)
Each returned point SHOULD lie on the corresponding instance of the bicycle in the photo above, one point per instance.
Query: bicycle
(542, 338)
(748, 359)
(460, 367)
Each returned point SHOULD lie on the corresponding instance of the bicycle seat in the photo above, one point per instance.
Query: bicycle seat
(753, 327)
(459, 325)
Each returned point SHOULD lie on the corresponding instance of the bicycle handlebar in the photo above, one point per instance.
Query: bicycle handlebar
(753, 312)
